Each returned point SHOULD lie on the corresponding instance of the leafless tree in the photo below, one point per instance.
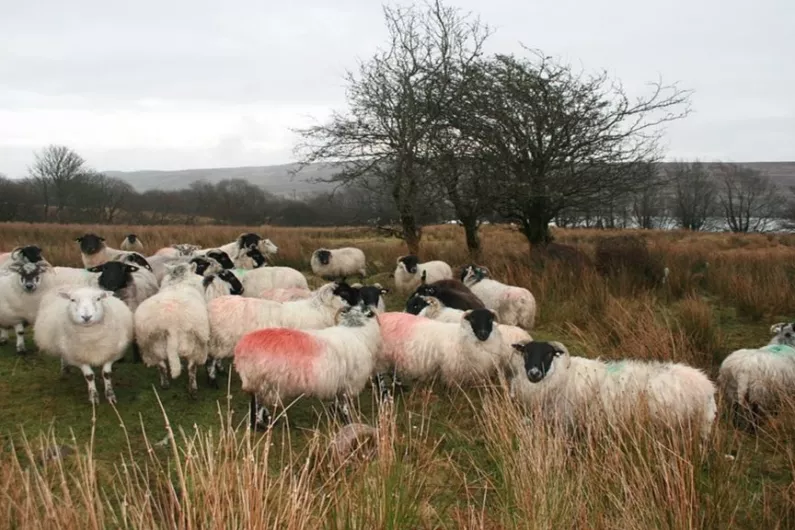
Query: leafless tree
(396, 99)
(695, 201)
(560, 139)
(750, 201)
(649, 204)
(58, 171)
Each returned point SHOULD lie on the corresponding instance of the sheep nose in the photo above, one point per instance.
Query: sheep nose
(534, 374)
(85, 318)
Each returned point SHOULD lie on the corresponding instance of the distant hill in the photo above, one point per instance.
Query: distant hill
(277, 179)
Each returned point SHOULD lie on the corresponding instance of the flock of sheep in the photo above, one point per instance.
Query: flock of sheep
(186, 304)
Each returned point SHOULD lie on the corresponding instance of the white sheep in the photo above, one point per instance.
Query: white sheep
(571, 390)
(132, 243)
(433, 308)
(250, 240)
(278, 364)
(263, 278)
(231, 317)
(284, 295)
(94, 251)
(753, 380)
(85, 327)
(178, 250)
(26, 254)
(340, 263)
(514, 305)
(372, 295)
(224, 283)
(20, 297)
(419, 348)
(410, 273)
(173, 325)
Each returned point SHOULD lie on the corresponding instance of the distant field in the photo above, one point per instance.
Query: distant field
(448, 458)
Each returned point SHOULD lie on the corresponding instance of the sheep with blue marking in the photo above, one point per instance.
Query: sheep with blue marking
(754, 380)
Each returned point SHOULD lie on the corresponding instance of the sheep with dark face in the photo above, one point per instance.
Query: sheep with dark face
(94, 251)
(410, 273)
(26, 254)
(134, 258)
(451, 293)
(754, 380)
(338, 263)
(514, 305)
(212, 263)
(223, 283)
(20, 297)
(131, 243)
(372, 295)
(569, 391)
(251, 258)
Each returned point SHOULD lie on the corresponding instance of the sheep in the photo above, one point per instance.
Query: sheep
(339, 263)
(132, 243)
(753, 379)
(419, 348)
(20, 297)
(130, 283)
(223, 283)
(248, 241)
(26, 254)
(178, 250)
(86, 327)
(452, 293)
(564, 386)
(432, 307)
(231, 317)
(409, 272)
(279, 364)
(258, 280)
(250, 258)
(173, 324)
(372, 295)
(514, 305)
(94, 251)
(135, 258)
(285, 294)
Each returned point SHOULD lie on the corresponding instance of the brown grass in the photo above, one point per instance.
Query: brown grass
(455, 459)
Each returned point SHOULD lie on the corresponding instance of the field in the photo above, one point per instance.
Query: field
(463, 458)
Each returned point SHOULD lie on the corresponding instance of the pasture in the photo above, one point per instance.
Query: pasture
(462, 458)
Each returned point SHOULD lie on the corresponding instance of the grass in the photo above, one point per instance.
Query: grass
(446, 458)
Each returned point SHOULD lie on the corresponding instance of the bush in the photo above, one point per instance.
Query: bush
(629, 256)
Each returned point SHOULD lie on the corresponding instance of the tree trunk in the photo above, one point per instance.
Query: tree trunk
(411, 233)
(536, 230)
(473, 238)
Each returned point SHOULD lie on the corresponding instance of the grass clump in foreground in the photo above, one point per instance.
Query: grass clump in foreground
(445, 459)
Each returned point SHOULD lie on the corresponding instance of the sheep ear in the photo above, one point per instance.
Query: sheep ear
(79, 239)
(132, 268)
(64, 295)
(98, 268)
(102, 239)
(384, 290)
(467, 313)
(356, 285)
(378, 285)
(424, 277)
(776, 328)
(518, 346)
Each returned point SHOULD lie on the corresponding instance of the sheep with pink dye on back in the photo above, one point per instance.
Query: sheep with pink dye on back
(278, 364)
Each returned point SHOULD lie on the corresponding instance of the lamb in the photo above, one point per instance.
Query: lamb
(452, 293)
(338, 263)
(753, 380)
(231, 317)
(564, 387)
(285, 295)
(258, 280)
(86, 327)
(132, 243)
(173, 325)
(409, 273)
(94, 251)
(279, 364)
(419, 348)
(372, 295)
(514, 305)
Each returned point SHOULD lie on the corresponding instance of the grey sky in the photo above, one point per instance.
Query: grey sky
(174, 84)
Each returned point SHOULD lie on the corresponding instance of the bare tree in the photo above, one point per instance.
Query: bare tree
(58, 172)
(560, 139)
(649, 204)
(694, 203)
(396, 100)
(750, 200)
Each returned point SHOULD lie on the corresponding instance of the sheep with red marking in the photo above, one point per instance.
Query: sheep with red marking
(514, 305)
(279, 364)
(569, 391)
(410, 273)
(231, 317)
(753, 380)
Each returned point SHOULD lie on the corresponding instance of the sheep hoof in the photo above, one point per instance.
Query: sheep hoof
(3, 340)
(93, 398)
(22, 351)
(165, 385)
(220, 367)
(111, 397)
(214, 383)
(193, 393)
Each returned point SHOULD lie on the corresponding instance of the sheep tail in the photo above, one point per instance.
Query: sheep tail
(174, 364)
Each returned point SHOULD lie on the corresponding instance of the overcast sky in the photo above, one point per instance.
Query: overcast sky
(167, 84)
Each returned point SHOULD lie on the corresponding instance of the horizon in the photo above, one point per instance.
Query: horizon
(221, 86)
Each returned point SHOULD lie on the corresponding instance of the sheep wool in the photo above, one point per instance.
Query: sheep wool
(173, 325)
(20, 298)
(410, 273)
(571, 390)
(285, 295)
(338, 263)
(753, 380)
(86, 327)
(264, 278)
(514, 305)
(279, 364)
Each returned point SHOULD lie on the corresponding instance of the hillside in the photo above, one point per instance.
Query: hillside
(277, 179)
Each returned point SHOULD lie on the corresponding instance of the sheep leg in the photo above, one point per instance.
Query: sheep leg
(19, 329)
(193, 389)
(164, 376)
(88, 373)
(64, 367)
(382, 387)
(341, 407)
(219, 366)
(3, 336)
(260, 417)
(212, 366)
(109, 394)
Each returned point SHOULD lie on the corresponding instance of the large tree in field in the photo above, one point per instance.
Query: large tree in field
(749, 199)
(396, 102)
(558, 139)
(59, 173)
(694, 202)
